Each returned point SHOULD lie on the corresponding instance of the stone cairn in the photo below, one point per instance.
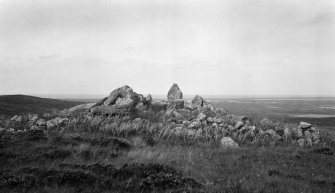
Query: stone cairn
(191, 117)
(194, 117)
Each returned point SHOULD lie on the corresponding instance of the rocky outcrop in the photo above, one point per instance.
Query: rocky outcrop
(122, 100)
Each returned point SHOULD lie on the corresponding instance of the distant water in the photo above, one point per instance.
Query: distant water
(312, 116)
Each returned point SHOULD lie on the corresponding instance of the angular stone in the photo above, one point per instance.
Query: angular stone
(210, 120)
(273, 134)
(122, 92)
(201, 117)
(41, 122)
(304, 125)
(174, 93)
(239, 125)
(197, 101)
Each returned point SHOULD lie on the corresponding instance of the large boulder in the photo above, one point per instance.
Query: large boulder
(228, 143)
(174, 93)
(122, 101)
(78, 109)
(57, 122)
(124, 92)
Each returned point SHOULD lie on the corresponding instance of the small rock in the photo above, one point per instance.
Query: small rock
(239, 125)
(287, 133)
(187, 123)
(273, 134)
(41, 122)
(304, 125)
(210, 120)
(13, 118)
(228, 143)
(201, 117)
(191, 132)
(12, 130)
(137, 120)
(217, 120)
(195, 124)
(2, 129)
(199, 132)
(230, 128)
(16, 118)
(215, 125)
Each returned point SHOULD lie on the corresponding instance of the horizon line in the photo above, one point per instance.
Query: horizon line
(94, 96)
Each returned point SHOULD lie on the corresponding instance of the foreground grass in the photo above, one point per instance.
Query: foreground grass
(78, 160)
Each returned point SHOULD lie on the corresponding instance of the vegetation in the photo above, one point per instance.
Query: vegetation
(18, 104)
(119, 154)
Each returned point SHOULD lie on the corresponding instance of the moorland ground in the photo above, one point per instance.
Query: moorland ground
(119, 154)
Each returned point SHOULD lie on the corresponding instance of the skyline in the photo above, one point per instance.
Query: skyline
(244, 48)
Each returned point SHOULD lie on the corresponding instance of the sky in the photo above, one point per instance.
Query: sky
(209, 47)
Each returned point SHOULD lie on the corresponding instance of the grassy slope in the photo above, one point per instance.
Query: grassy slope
(18, 104)
(281, 168)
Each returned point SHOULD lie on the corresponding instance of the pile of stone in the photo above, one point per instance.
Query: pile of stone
(121, 101)
(196, 117)
(36, 123)
(306, 134)
(192, 118)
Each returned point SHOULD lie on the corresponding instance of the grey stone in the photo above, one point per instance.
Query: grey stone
(123, 92)
(304, 125)
(201, 117)
(210, 120)
(41, 122)
(239, 125)
(228, 143)
(174, 93)
(287, 133)
(197, 101)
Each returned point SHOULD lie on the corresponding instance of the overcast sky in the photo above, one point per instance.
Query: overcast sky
(223, 47)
